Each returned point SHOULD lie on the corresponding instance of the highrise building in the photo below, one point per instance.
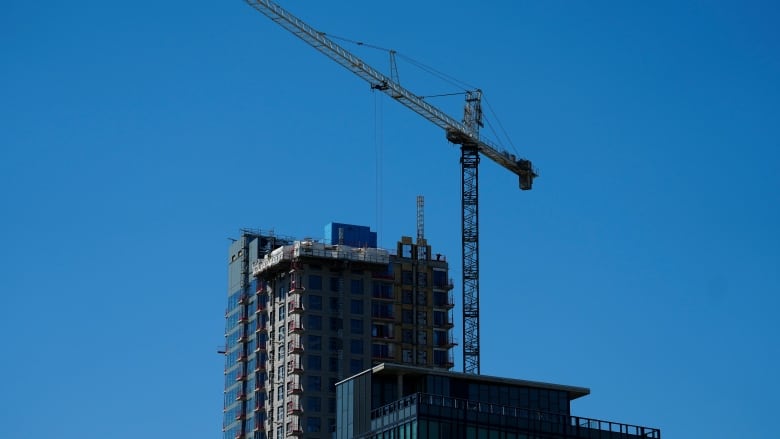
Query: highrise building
(305, 314)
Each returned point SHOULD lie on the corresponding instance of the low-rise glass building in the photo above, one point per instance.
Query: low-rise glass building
(408, 402)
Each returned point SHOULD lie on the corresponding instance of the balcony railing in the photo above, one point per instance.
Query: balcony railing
(526, 419)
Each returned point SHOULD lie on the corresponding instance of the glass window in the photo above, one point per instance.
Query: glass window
(315, 322)
(334, 344)
(406, 277)
(356, 346)
(356, 306)
(439, 279)
(335, 284)
(356, 286)
(334, 304)
(380, 350)
(333, 364)
(314, 342)
(313, 425)
(315, 282)
(382, 290)
(280, 393)
(313, 404)
(315, 302)
(335, 323)
(355, 366)
(356, 326)
(314, 383)
(314, 362)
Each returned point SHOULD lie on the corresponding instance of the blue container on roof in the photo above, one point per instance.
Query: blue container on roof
(352, 235)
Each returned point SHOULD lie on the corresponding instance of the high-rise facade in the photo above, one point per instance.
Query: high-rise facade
(304, 314)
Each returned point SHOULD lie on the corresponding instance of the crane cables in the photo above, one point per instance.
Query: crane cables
(463, 86)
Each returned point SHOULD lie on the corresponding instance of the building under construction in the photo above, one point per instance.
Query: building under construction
(305, 314)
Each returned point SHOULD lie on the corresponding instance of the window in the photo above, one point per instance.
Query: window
(407, 355)
(281, 313)
(407, 336)
(313, 404)
(280, 393)
(406, 297)
(439, 279)
(335, 344)
(280, 371)
(335, 323)
(440, 338)
(380, 350)
(313, 425)
(440, 358)
(315, 302)
(314, 342)
(406, 277)
(314, 362)
(331, 405)
(422, 318)
(315, 282)
(440, 298)
(356, 306)
(440, 318)
(356, 286)
(314, 383)
(382, 290)
(333, 364)
(315, 322)
(335, 284)
(334, 304)
(356, 346)
(407, 316)
(355, 366)
(382, 310)
(381, 330)
(356, 326)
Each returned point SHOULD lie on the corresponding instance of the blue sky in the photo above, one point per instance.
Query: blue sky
(136, 137)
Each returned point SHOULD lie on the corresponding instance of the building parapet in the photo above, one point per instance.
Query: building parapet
(313, 249)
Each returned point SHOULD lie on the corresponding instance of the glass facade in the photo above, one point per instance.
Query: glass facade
(465, 406)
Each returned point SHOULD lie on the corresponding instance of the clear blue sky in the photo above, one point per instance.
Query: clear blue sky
(136, 137)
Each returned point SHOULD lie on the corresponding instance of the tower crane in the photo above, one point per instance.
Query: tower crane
(464, 133)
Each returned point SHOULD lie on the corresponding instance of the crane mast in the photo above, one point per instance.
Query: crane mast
(465, 134)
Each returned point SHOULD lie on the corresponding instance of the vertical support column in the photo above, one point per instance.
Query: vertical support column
(470, 240)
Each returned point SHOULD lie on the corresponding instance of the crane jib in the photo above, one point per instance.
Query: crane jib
(464, 133)
(381, 82)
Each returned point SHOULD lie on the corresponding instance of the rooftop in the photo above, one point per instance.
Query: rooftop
(400, 369)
